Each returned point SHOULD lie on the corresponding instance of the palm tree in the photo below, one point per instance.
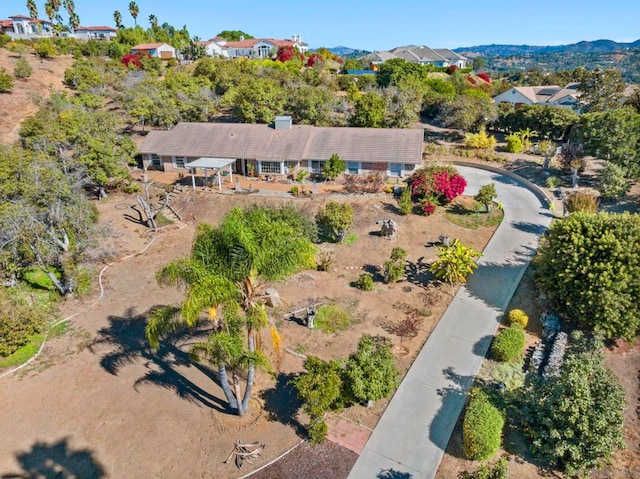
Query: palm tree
(117, 18)
(226, 273)
(153, 20)
(33, 8)
(134, 10)
(49, 11)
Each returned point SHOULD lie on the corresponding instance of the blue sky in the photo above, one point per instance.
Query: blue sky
(378, 25)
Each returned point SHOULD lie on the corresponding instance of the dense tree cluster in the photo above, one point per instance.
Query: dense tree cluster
(588, 266)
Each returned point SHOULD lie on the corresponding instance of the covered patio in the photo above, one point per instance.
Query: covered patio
(217, 164)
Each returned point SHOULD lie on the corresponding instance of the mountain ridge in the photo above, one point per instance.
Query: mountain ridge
(584, 46)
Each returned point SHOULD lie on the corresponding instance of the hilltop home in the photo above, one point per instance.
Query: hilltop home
(283, 147)
(252, 47)
(155, 50)
(551, 95)
(423, 55)
(22, 27)
(96, 33)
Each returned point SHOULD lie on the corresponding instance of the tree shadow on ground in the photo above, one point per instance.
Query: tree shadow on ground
(57, 461)
(492, 282)
(417, 272)
(126, 338)
(282, 403)
(528, 227)
(391, 473)
(454, 397)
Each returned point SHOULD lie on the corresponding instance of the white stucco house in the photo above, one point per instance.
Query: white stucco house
(23, 27)
(260, 47)
(214, 47)
(96, 33)
(155, 50)
(550, 95)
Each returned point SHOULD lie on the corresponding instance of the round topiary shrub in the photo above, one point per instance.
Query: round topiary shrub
(365, 282)
(508, 344)
(517, 316)
(482, 427)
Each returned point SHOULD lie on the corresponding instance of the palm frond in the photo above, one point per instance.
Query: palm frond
(219, 348)
(181, 272)
(208, 290)
(162, 321)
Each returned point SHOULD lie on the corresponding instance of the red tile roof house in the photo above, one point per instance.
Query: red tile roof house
(281, 148)
(260, 47)
(96, 33)
(20, 26)
(156, 50)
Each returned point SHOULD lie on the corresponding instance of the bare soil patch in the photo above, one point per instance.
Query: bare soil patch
(100, 393)
(21, 102)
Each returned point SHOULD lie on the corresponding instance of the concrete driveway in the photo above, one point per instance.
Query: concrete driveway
(412, 434)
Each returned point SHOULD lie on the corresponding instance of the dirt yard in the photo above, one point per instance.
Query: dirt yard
(21, 102)
(100, 395)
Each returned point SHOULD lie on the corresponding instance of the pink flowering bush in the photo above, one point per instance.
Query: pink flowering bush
(436, 185)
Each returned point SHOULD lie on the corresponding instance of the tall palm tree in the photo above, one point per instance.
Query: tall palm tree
(226, 272)
(134, 10)
(33, 8)
(153, 20)
(117, 18)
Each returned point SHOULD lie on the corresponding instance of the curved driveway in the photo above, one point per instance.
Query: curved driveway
(412, 434)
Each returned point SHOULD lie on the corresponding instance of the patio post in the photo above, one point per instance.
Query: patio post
(193, 178)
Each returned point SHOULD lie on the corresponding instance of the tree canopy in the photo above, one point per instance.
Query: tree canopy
(588, 267)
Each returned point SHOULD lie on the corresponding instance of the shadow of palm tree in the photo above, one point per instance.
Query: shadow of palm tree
(126, 338)
(282, 404)
(57, 461)
(417, 272)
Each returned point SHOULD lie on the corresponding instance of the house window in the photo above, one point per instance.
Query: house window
(270, 167)
(155, 160)
(179, 161)
(395, 169)
(316, 166)
(368, 166)
(409, 167)
(353, 167)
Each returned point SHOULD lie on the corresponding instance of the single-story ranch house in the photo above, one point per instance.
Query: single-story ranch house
(551, 95)
(155, 50)
(283, 148)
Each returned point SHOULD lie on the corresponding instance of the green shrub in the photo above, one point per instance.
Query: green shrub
(331, 318)
(514, 143)
(508, 344)
(405, 205)
(6, 81)
(365, 282)
(4, 39)
(317, 431)
(295, 190)
(517, 316)
(22, 68)
(480, 140)
(612, 182)
(371, 370)
(500, 470)
(482, 427)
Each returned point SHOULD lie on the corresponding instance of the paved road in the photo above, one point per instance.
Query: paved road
(412, 434)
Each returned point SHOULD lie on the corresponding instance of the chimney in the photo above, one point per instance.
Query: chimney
(283, 122)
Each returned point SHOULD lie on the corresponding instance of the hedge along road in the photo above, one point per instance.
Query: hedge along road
(412, 434)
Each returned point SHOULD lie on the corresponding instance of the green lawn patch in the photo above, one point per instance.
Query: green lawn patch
(472, 215)
(332, 318)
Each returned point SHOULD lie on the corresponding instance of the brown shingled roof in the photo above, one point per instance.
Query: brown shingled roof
(262, 142)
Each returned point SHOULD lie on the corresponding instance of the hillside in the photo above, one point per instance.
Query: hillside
(22, 101)
(596, 46)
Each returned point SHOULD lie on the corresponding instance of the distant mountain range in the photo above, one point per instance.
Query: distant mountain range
(347, 52)
(597, 46)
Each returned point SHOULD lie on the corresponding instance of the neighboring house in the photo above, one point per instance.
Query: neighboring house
(214, 47)
(155, 50)
(423, 55)
(279, 149)
(551, 95)
(259, 47)
(22, 27)
(96, 33)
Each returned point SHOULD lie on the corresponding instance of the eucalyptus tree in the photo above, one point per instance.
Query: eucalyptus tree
(225, 275)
